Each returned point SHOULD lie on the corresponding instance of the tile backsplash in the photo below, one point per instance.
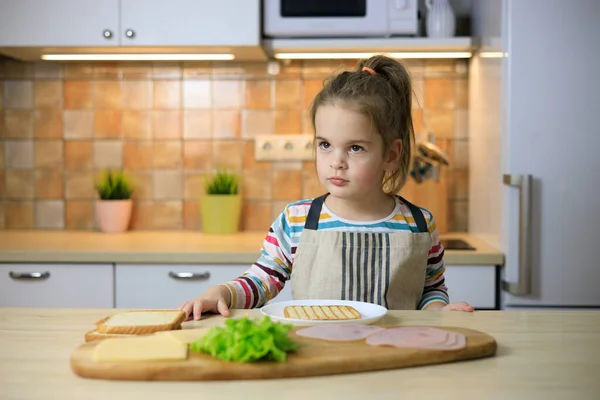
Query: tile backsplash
(169, 125)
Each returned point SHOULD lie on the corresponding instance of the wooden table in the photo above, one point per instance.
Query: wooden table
(541, 355)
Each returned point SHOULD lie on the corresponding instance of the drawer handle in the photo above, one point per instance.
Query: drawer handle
(191, 276)
(29, 275)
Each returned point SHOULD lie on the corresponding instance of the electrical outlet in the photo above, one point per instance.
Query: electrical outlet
(283, 147)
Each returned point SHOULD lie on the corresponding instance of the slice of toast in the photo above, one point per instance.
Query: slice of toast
(141, 322)
(319, 313)
(95, 335)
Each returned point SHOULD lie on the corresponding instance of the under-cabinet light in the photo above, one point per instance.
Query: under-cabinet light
(137, 57)
(492, 54)
(315, 56)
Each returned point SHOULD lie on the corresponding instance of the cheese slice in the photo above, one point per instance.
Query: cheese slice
(185, 336)
(148, 348)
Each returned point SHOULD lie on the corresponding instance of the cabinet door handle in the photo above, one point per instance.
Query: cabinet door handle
(107, 33)
(130, 34)
(29, 275)
(191, 276)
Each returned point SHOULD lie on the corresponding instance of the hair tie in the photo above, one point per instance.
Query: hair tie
(369, 70)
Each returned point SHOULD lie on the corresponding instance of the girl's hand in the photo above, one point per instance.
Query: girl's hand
(460, 306)
(216, 300)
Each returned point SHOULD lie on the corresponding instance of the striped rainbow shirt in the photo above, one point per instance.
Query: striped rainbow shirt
(268, 275)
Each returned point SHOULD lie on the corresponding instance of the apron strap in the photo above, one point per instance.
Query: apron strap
(417, 215)
(314, 212)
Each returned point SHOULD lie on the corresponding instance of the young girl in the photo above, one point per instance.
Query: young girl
(359, 241)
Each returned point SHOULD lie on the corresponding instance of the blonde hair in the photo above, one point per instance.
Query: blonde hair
(379, 88)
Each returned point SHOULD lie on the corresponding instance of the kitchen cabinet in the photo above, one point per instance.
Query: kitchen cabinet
(475, 284)
(151, 25)
(59, 23)
(56, 285)
(167, 286)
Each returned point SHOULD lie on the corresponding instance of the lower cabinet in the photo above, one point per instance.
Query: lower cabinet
(475, 284)
(56, 285)
(167, 286)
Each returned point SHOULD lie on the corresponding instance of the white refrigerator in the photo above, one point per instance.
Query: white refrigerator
(534, 148)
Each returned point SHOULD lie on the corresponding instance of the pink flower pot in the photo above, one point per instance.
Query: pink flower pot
(113, 216)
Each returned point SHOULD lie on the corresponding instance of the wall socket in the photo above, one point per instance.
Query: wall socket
(283, 147)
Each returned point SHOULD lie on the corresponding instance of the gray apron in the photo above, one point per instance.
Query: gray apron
(388, 269)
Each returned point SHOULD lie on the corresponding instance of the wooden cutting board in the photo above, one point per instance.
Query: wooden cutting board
(313, 357)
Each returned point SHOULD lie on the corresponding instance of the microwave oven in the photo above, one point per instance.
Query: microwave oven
(335, 18)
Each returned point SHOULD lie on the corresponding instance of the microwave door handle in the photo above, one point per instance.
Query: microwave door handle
(523, 285)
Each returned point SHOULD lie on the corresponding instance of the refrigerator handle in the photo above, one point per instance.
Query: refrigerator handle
(523, 285)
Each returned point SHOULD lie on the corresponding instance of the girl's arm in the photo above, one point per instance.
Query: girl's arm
(435, 292)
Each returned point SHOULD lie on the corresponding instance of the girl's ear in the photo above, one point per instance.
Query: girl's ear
(393, 156)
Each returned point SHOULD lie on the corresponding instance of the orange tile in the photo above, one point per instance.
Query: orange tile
(2, 218)
(136, 125)
(168, 214)
(197, 154)
(49, 154)
(168, 154)
(1, 94)
(167, 94)
(257, 122)
(107, 95)
(461, 91)
(458, 218)
(78, 124)
(79, 214)
(166, 124)
(277, 208)
(460, 156)
(191, 215)
(439, 122)
(197, 69)
(168, 185)
(2, 165)
(138, 156)
(135, 70)
(48, 70)
(197, 94)
(194, 185)
(418, 96)
(249, 159)
(290, 70)
(107, 124)
(142, 215)
(256, 216)
(142, 183)
(311, 187)
(226, 124)
(49, 214)
(439, 67)
(18, 215)
(197, 124)
(106, 71)
(137, 95)
(78, 155)
(227, 94)
(439, 93)
(288, 121)
(459, 189)
(80, 185)
(417, 117)
(77, 94)
(19, 154)
(229, 70)
(165, 70)
(19, 184)
(17, 70)
(461, 124)
(79, 71)
(18, 94)
(228, 154)
(48, 184)
(288, 94)
(48, 94)
(257, 184)
(287, 185)
(311, 89)
(108, 154)
(18, 124)
(48, 123)
(258, 95)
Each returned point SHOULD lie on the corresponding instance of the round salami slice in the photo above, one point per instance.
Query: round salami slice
(415, 337)
(339, 332)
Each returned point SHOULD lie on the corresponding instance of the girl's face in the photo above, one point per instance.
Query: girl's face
(350, 157)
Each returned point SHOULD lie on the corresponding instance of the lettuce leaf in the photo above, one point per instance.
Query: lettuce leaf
(246, 340)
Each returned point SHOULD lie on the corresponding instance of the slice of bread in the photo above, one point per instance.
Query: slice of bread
(95, 335)
(318, 313)
(141, 322)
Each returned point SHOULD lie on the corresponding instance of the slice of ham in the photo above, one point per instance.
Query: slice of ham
(339, 332)
(418, 337)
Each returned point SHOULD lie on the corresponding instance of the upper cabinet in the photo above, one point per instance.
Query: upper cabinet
(29, 28)
(59, 23)
(190, 22)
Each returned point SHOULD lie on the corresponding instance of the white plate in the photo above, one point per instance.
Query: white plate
(369, 312)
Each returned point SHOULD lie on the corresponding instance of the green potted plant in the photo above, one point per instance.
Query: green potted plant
(221, 205)
(114, 205)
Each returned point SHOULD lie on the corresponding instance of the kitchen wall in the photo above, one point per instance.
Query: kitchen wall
(168, 125)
